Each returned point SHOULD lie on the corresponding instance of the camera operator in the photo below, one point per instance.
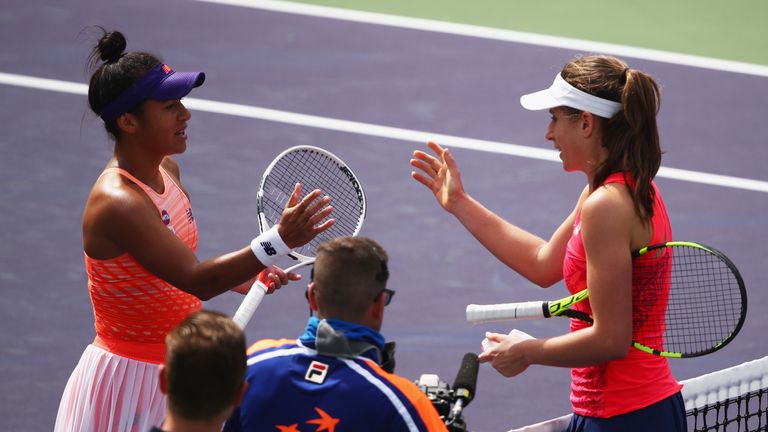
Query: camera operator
(339, 373)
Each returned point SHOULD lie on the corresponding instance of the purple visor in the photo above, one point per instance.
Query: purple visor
(160, 83)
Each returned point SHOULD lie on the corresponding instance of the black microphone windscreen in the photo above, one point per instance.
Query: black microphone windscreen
(466, 379)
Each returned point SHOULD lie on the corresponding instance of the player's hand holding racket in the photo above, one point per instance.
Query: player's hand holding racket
(301, 224)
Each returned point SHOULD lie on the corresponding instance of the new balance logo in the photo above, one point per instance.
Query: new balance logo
(268, 249)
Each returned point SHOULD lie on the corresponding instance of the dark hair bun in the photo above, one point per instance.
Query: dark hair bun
(111, 46)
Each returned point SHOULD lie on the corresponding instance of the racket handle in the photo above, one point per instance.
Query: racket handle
(253, 299)
(477, 314)
(249, 304)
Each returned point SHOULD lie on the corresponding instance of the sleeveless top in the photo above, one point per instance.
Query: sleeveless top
(639, 379)
(134, 310)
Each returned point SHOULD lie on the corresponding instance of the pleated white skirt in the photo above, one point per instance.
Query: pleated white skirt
(107, 392)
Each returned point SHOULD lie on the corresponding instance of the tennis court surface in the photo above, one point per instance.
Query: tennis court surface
(370, 93)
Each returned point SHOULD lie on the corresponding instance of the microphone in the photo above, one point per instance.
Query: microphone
(465, 383)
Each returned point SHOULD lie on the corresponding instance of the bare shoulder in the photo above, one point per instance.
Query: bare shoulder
(608, 206)
(115, 192)
(612, 196)
(114, 206)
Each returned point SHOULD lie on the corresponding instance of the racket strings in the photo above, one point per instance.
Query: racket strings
(314, 170)
(688, 300)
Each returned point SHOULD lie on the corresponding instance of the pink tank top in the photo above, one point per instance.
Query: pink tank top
(640, 379)
(134, 310)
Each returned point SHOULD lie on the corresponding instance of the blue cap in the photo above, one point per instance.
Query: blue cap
(160, 83)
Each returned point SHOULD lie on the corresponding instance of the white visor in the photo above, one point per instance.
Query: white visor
(560, 93)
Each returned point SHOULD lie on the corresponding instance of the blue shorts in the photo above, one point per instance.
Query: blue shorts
(667, 415)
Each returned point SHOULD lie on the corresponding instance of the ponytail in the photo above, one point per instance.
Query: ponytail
(640, 102)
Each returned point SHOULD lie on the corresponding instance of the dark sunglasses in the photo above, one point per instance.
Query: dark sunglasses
(388, 294)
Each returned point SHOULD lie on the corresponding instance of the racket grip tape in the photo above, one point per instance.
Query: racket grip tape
(249, 304)
(477, 314)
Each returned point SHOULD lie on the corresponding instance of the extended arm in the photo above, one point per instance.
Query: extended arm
(121, 219)
(537, 259)
(607, 225)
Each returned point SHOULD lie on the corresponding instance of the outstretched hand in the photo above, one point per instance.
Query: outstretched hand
(439, 173)
(301, 219)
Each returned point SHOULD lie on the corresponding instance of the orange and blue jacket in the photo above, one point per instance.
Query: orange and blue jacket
(329, 380)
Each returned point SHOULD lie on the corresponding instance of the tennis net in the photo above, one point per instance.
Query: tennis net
(729, 400)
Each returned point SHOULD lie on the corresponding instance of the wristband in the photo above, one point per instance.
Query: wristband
(269, 247)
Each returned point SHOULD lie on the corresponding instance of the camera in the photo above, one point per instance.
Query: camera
(444, 400)
(449, 402)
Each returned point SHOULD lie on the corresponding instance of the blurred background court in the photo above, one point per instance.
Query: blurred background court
(354, 73)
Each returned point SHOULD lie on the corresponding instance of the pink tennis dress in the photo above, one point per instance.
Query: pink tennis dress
(115, 385)
(639, 379)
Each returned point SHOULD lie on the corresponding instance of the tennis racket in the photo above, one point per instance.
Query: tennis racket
(692, 301)
(314, 168)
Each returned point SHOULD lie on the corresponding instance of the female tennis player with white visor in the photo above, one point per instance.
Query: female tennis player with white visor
(603, 122)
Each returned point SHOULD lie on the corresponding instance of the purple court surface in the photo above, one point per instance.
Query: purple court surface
(52, 149)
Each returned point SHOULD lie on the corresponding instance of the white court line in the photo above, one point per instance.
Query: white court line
(394, 133)
(422, 24)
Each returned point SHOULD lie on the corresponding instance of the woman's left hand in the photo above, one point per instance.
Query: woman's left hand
(440, 174)
(507, 356)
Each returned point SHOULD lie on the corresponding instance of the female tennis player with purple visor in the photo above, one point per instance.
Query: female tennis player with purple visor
(603, 122)
(139, 241)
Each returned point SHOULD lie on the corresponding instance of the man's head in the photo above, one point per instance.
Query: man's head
(204, 371)
(349, 281)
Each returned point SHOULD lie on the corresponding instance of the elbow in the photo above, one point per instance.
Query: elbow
(546, 281)
(545, 277)
(608, 345)
(208, 291)
(617, 352)
(202, 292)
(203, 296)
(615, 348)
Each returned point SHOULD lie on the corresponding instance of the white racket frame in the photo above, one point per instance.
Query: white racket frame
(258, 290)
